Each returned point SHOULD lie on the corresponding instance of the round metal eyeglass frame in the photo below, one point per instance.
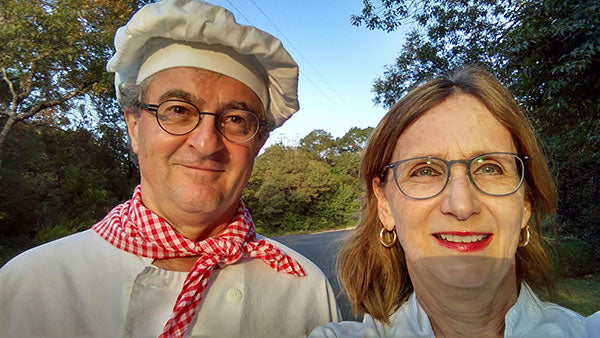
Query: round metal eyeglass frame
(155, 107)
(467, 162)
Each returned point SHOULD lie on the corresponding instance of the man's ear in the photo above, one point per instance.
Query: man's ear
(383, 206)
(259, 143)
(131, 118)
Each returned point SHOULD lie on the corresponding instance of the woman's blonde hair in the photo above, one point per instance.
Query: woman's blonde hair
(376, 278)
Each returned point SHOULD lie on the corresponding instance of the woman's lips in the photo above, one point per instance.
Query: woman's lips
(463, 241)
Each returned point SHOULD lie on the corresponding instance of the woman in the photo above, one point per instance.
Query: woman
(449, 241)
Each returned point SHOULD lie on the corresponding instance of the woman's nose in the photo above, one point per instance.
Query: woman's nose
(460, 196)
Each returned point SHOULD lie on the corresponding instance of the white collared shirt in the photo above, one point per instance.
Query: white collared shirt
(528, 317)
(81, 286)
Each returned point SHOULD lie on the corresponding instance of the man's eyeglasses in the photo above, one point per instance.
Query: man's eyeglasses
(180, 117)
(496, 174)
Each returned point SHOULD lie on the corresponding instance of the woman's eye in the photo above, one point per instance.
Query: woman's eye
(425, 171)
(489, 169)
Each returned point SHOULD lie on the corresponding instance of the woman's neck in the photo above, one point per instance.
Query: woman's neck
(462, 312)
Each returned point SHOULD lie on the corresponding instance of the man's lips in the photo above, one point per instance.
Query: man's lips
(204, 167)
(464, 241)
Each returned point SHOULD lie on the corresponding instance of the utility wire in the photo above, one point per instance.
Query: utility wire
(305, 59)
(242, 14)
(307, 78)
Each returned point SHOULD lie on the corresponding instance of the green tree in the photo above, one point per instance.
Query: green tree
(319, 143)
(445, 35)
(555, 54)
(313, 186)
(61, 181)
(355, 140)
(546, 51)
(285, 186)
(53, 56)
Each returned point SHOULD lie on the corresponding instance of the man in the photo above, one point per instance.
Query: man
(200, 94)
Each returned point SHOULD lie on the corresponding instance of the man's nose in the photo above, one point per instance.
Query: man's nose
(206, 138)
(460, 198)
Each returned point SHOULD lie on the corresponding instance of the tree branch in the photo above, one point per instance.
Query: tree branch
(47, 104)
(28, 83)
(13, 104)
(44, 125)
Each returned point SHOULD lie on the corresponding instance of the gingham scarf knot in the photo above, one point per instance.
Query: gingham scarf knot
(224, 251)
(133, 228)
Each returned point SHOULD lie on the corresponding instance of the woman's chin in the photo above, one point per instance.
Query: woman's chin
(466, 272)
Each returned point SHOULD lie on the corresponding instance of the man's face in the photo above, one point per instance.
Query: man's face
(194, 179)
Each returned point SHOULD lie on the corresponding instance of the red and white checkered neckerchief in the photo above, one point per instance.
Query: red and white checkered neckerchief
(133, 228)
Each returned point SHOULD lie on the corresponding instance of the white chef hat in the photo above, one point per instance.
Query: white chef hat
(193, 33)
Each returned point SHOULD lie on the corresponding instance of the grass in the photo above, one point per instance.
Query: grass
(581, 294)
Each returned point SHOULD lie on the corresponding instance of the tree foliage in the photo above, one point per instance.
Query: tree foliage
(53, 56)
(64, 157)
(546, 51)
(446, 36)
(319, 143)
(309, 187)
(59, 182)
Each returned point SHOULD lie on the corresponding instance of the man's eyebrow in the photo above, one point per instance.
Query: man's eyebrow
(243, 106)
(236, 105)
(191, 98)
(178, 94)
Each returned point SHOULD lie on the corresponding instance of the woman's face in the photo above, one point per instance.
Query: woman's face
(461, 237)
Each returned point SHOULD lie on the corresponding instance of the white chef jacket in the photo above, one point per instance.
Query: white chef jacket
(528, 317)
(82, 286)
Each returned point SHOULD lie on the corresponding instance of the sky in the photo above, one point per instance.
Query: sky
(338, 62)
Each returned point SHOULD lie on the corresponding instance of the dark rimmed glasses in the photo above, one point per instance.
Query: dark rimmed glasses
(496, 174)
(178, 117)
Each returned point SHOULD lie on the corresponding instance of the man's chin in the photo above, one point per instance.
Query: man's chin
(205, 200)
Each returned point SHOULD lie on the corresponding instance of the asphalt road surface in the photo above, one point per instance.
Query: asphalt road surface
(322, 249)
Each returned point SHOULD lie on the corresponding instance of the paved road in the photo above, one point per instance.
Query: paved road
(322, 249)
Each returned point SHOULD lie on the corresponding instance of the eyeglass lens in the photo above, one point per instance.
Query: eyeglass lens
(494, 174)
(179, 118)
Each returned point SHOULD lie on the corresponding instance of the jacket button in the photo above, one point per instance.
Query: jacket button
(234, 295)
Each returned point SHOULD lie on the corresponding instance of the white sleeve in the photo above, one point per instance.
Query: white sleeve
(592, 325)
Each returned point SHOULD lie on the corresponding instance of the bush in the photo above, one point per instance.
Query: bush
(12, 246)
(573, 257)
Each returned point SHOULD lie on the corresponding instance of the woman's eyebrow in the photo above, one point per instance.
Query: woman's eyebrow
(469, 155)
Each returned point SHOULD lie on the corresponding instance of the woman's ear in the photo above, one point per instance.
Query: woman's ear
(526, 211)
(383, 206)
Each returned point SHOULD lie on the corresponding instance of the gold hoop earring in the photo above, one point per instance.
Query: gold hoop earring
(392, 241)
(524, 242)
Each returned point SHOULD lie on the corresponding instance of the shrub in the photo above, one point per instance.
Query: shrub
(572, 257)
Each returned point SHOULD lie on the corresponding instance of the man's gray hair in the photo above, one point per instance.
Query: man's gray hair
(131, 94)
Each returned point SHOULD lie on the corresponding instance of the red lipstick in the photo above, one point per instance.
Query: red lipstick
(464, 241)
